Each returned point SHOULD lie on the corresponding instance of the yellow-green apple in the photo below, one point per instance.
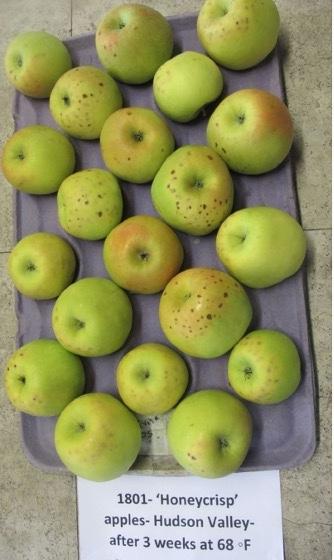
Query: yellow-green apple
(97, 437)
(82, 99)
(185, 84)
(209, 433)
(204, 312)
(193, 190)
(90, 204)
(151, 378)
(41, 265)
(261, 245)
(264, 367)
(142, 254)
(134, 142)
(238, 34)
(132, 41)
(34, 60)
(36, 159)
(252, 130)
(41, 378)
(92, 317)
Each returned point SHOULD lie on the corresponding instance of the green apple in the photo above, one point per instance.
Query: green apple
(238, 34)
(132, 41)
(41, 378)
(82, 99)
(41, 265)
(90, 204)
(151, 378)
(135, 141)
(37, 158)
(209, 433)
(204, 312)
(264, 367)
(97, 437)
(34, 60)
(185, 84)
(92, 317)
(142, 254)
(261, 246)
(193, 190)
(252, 130)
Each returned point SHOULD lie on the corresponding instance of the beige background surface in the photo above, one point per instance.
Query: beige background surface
(38, 510)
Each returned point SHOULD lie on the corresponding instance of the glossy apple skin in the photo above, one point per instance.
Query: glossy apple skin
(209, 433)
(132, 41)
(36, 159)
(82, 99)
(41, 378)
(264, 367)
(261, 246)
(142, 254)
(89, 204)
(34, 60)
(151, 378)
(135, 141)
(238, 34)
(92, 317)
(193, 190)
(185, 84)
(97, 437)
(41, 265)
(252, 130)
(204, 312)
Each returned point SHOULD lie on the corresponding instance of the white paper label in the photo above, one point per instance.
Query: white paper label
(181, 518)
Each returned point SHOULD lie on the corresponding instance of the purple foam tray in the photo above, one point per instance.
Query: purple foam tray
(284, 434)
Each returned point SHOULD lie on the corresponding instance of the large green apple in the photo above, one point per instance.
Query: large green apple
(41, 378)
(264, 367)
(185, 84)
(132, 41)
(82, 99)
(209, 433)
(261, 246)
(89, 204)
(204, 312)
(142, 254)
(97, 437)
(34, 60)
(41, 265)
(92, 317)
(37, 158)
(193, 190)
(252, 130)
(238, 34)
(151, 378)
(135, 141)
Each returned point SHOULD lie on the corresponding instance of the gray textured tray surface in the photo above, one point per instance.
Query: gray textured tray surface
(284, 434)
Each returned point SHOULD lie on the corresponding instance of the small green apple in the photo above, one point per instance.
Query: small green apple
(183, 85)
(261, 246)
(151, 378)
(97, 437)
(90, 204)
(36, 159)
(41, 378)
(142, 254)
(34, 60)
(132, 41)
(41, 265)
(264, 367)
(92, 317)
(209, 433)
(82, 99)
(193, 190)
